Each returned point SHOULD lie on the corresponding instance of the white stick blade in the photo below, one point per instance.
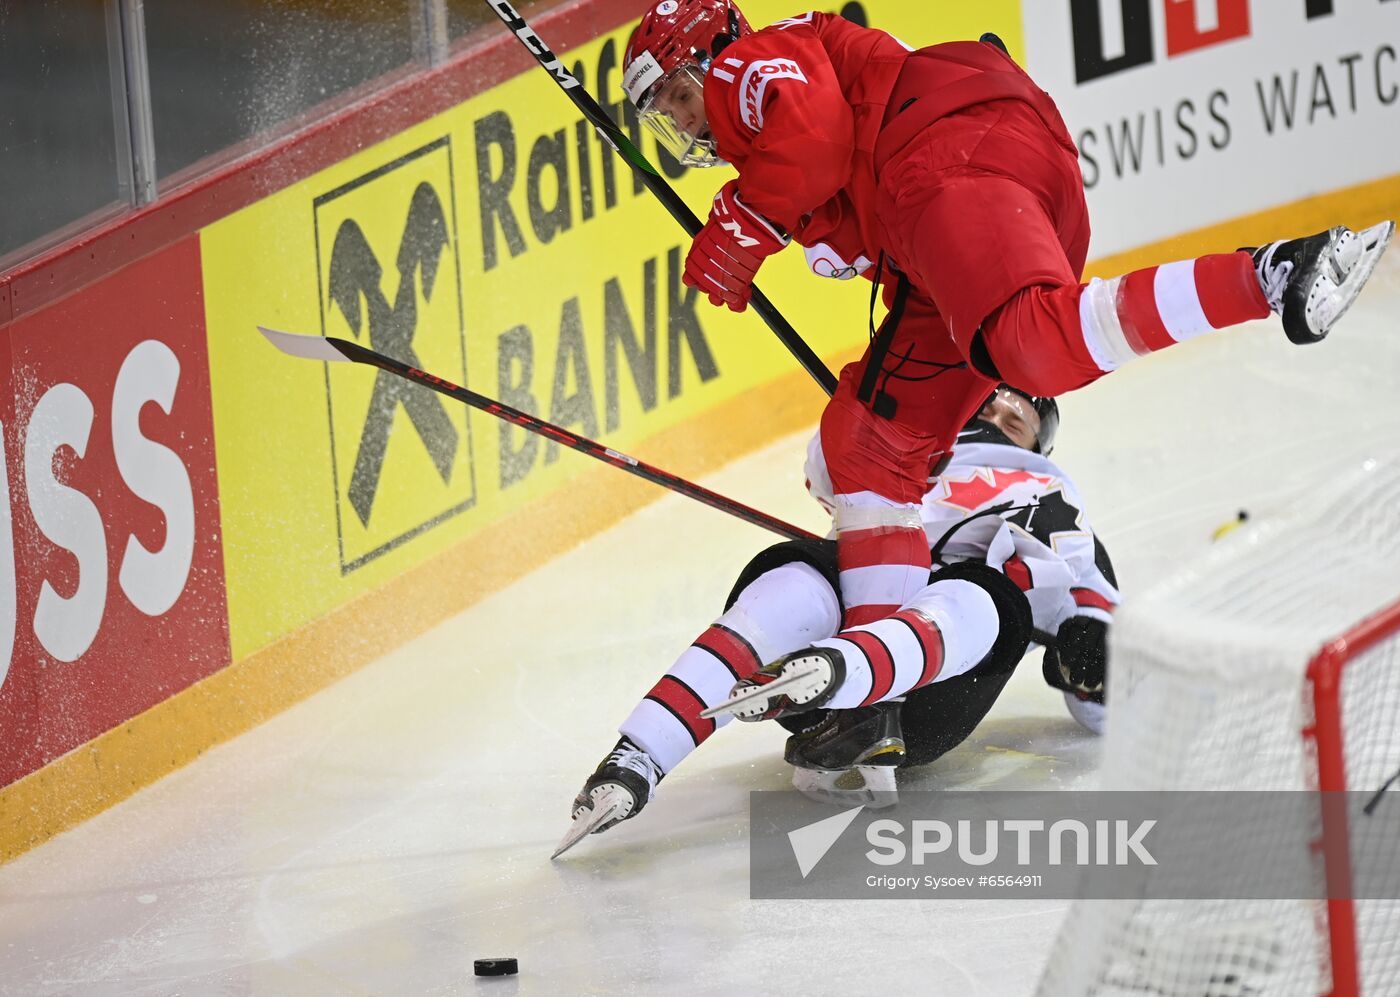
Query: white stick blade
(307, 347)
(757, 692)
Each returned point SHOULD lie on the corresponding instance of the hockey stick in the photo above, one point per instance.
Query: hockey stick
(333, 350)
(614, 136)
(739, 700)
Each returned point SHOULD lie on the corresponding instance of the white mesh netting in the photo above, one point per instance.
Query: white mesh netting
(1206, 692)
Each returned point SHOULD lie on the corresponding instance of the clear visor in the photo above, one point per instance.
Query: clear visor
(1014, 415)
(674, 111)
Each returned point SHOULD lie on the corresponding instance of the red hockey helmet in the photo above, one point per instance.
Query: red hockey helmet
(664, 66)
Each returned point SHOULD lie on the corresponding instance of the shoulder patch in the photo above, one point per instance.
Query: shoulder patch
(757, 76)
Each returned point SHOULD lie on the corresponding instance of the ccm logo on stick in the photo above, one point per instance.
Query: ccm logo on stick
(534, 43)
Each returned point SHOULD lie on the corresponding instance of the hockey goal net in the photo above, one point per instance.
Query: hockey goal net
(1273, 663)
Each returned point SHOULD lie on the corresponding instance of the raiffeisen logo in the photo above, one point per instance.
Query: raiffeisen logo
(1111, 36)
(1025, 842)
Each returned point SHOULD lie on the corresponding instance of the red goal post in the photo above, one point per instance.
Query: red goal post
(1327, 732)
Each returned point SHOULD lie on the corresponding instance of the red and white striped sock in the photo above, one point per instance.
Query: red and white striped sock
(882, 553)
(1148, 310)
(944, 631)
(667, 722)
(780, 611)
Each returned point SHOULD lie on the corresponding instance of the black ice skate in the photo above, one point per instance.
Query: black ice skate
(1312, 281)
(850, 757)
(623, 783)
(795, 683)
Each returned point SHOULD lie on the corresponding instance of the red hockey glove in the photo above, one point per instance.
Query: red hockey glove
(730, 248)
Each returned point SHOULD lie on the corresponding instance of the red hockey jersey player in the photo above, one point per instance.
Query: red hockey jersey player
(947, 173)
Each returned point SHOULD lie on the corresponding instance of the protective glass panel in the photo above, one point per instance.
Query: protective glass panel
(466, 16)
(58, 150)
(224, 72)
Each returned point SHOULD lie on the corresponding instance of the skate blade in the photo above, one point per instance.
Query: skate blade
(872, 786)
(758, 692)
(1372, 243)
(605, 808)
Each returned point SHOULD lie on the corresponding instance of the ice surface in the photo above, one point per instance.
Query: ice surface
(378, 837)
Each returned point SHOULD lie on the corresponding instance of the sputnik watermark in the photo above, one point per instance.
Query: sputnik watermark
(893, 842)
(1063, 845)
(1100, 842)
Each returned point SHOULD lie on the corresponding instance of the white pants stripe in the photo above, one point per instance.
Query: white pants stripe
(1178, 301)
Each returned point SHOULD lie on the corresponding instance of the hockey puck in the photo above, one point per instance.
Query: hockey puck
(495, 967)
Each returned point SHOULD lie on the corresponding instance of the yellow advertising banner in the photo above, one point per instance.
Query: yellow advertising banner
(503, 246)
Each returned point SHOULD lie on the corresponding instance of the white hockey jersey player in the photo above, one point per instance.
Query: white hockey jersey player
(1018, 511)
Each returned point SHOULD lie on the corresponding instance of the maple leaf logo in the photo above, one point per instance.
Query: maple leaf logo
(984, 485)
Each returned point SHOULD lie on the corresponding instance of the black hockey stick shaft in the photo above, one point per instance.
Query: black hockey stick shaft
(359, 354)
(613, 134)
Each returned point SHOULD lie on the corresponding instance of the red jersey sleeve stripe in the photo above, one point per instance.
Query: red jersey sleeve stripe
(1019, 572)
(1091, 599)
(930, 640)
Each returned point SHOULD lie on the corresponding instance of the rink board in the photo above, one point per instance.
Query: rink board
(322, 516)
